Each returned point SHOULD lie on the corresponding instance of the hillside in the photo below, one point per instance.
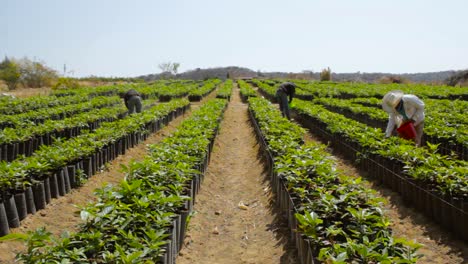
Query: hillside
(242, 72)
(201, 74)
(430, 77)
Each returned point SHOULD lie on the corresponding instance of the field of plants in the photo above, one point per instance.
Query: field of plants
(51, 145)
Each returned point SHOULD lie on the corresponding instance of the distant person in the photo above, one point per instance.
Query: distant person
(404, 108)
(285, 89)
(132, 101)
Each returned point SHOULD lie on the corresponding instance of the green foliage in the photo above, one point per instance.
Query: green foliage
(325, 75)
(36, 74)
(342, 219)
(205, 88)
(21, 172)
(66, 83)
(10, 73)
(50, 112)
(445, 119)
(439, 173)
(225, 89)
(246, 89)
(131, 223)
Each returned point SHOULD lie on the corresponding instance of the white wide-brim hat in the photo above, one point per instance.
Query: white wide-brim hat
(391, 100)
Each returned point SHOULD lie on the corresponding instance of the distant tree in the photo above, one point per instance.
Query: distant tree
(459, 78)
(36, 74)
(396, 79)
(260, 74)
(175, 67)
(169, 67)
(392, 79)
(325, 75)
(10, 73)
(66, 83)
(163, 66)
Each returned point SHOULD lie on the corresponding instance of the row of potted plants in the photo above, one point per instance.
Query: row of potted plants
(451, 112)
(146, 91)
(449, 135)
(195, 95)
(345, 90)
(173, 90)
(28, 138)
(442, 124)
(225, 90)
(165, 90)
(12, 106)
(268, 90)
(333, 217)
(104, 90)
(56, 113)
(144, 218)
(353, 90)
(246, 90)
(20, 105)
(47, 168)
(439, 182)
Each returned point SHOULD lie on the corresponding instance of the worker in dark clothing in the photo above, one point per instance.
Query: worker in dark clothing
(285, 89)
(132, 101)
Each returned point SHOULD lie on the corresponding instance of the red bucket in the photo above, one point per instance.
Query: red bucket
(407, 130)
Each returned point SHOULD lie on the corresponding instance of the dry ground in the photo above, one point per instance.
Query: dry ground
(28, 92)
(235, 220)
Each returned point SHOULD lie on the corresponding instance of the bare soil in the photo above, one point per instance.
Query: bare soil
(235, 220)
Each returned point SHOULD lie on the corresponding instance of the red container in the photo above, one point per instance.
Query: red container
(407, 131)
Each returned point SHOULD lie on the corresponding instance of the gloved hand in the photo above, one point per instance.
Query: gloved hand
(408, 121)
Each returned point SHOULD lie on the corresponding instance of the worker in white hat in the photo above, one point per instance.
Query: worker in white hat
(404, 108)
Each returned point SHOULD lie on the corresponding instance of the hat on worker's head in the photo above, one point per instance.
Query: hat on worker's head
(391, 100)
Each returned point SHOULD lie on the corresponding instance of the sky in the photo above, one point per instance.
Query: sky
(123, 38)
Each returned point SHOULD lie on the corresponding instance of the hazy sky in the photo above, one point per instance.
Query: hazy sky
(131, 38)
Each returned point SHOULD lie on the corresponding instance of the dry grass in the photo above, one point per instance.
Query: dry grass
(24, 92)
(3, 86)
(29, 92)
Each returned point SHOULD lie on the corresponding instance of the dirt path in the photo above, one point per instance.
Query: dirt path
(63, 214)
(439, 246)
(235, 220)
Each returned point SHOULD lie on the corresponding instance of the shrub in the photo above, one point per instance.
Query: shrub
(66, 83)
(10, 73)
(325, 75)
(36, 74)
